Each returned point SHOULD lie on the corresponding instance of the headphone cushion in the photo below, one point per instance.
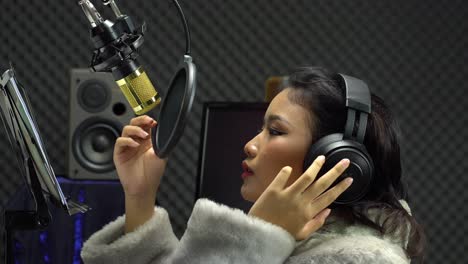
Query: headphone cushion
(361, 167)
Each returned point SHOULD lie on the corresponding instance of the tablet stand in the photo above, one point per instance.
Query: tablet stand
(34, 165)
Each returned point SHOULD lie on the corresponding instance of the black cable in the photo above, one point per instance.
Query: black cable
(186, 29)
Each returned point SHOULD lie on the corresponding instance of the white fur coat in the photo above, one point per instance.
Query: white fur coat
(219, 234)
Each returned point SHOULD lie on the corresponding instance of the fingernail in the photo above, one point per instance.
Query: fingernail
(344, 163)
(320, 158)
(327, 212)
(144, 134)
(349, 180)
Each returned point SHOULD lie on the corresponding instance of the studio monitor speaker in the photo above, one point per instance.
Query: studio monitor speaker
(97, 113)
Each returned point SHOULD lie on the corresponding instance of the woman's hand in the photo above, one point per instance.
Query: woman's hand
(140, 170)
(301, 207)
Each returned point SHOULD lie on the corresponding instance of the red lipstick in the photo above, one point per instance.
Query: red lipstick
(247, 172)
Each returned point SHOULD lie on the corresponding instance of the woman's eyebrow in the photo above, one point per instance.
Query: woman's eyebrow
(271, 118)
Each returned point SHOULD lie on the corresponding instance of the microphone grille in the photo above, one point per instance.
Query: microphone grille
(139, 91)
(143, 87)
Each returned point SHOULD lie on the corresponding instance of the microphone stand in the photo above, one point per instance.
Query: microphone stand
(34, 165)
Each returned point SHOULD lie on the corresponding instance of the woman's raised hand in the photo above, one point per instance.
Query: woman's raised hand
(301, 208)
(139, 168)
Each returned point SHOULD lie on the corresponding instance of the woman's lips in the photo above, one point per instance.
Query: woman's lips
(247, 172)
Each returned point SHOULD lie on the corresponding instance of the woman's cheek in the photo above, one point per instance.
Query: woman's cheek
(292, 156)
(276, 158)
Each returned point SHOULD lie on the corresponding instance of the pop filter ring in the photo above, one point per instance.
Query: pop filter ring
(163, 146)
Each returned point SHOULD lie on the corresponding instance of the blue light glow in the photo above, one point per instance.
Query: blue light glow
(78, 236)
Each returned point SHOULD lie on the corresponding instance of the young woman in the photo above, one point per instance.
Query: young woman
(286, 222)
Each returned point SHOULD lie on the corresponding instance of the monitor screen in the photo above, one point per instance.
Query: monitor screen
(226, 128)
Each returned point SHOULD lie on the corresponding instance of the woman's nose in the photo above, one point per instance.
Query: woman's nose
(251, 148)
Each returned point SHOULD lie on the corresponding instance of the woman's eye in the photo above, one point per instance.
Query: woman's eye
(274, 132)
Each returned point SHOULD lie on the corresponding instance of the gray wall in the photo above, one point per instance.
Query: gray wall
(412, 53)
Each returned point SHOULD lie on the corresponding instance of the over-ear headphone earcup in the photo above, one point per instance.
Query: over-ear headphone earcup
(361, 167)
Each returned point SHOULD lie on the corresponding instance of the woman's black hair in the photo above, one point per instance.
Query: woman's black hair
(318, 90)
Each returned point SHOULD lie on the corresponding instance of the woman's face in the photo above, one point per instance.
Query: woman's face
(283, 141)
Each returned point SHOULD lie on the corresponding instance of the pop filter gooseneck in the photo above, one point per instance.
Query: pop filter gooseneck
(177, 103)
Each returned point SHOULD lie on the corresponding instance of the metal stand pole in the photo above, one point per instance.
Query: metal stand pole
(26, 220)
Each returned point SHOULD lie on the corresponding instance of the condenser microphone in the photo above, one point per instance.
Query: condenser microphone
(116, 45)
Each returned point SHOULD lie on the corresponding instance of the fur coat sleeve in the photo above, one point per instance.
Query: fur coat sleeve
(153, 242)
(215, 234)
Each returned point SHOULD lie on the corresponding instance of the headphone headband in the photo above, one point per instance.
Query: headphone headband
(358, 102)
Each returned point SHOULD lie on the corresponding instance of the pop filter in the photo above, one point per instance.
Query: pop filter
(177, 103)
(175, 107)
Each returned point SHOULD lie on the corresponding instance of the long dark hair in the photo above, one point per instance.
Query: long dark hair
(318, 90)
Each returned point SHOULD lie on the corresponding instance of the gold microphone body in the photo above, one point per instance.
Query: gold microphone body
(139, 91)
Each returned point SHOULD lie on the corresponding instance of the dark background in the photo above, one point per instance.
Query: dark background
(411, 53)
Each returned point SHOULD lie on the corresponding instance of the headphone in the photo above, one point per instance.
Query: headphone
(336, 147)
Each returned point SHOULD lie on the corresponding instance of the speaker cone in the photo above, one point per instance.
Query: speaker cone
(93, 144)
